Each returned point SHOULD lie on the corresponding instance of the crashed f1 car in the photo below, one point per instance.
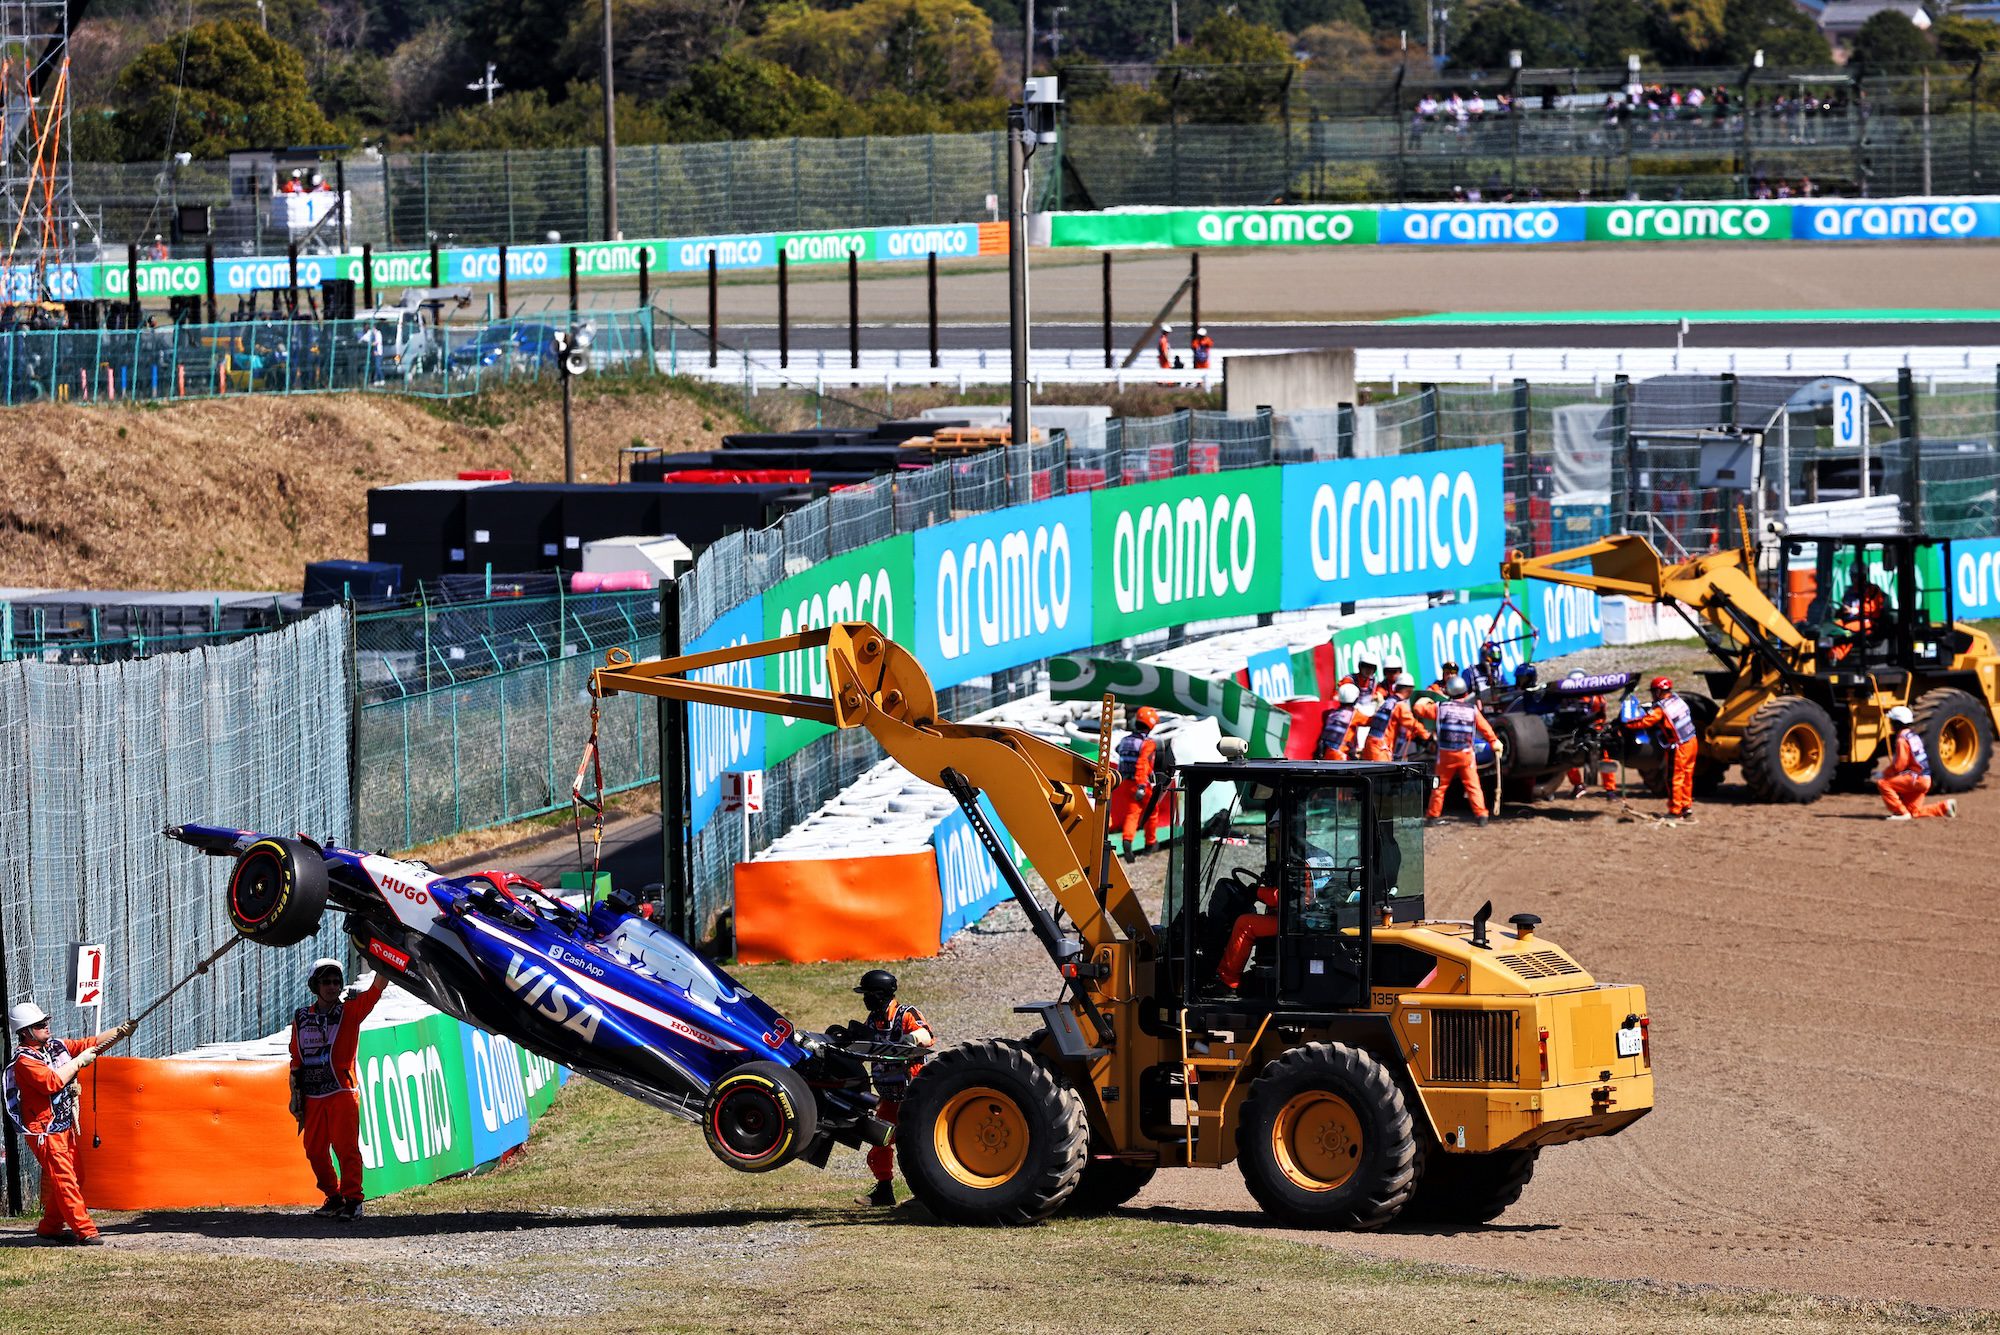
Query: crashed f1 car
(600, 989)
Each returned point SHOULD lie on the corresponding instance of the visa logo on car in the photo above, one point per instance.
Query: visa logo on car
(539, 988)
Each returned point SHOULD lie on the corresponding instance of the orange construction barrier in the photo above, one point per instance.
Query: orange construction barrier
(868, 908)
(181, 1134)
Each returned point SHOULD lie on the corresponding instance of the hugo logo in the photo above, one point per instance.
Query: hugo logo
(410, 892)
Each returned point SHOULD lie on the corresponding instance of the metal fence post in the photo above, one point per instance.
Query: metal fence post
(1433, 433)
(1622, 450)
(674, 778)
(1343, 431)
(424, 163)
(1910, 427)
(1525, 502)
(507, 175)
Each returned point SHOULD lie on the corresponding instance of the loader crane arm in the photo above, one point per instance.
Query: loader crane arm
(1053, 801)
(1736, 621)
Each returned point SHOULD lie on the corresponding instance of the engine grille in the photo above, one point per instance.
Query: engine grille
(1473, 1045)
(1542, 964)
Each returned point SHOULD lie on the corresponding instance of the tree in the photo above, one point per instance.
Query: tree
(356, 88)
(1688, 32)
(657, 44)
(1778, 28)
(1966, 39)
(939, 51)
(1611, 30)
(1889, 41)
(522, 39)
(238, 88)
(1347, 50)
(1502, 27)
(1233, 72)
(741, 96)
(532, 119)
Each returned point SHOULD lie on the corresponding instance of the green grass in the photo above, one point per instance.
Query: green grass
(617, 1219)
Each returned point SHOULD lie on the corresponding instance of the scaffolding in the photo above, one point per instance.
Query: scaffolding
(37, 207)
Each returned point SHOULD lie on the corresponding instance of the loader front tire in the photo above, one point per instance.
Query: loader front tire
(1789, 751)
(1326, 1139)
(1958, 734)
(990, 1134)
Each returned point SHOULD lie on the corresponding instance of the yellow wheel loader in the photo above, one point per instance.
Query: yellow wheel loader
(1800, 696)
(1294, 1013)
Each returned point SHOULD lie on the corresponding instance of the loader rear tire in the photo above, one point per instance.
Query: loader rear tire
(1958, 733)
(1470, 1188)
(1790, 751)
(1326, 1139)
(1107, 1184)
(990, 1134)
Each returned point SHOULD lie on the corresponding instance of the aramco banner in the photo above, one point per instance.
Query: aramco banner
(978, 595)
(1713, 221)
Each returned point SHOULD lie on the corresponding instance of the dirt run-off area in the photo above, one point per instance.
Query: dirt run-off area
(1823, 987)
(241, 493)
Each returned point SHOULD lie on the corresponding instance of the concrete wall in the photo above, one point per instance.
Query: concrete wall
(1287, 382)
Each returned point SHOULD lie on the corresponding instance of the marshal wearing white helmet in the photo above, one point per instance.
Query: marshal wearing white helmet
(40, 1094)
(324, 1098)
(1333, 730)
(1907, 777)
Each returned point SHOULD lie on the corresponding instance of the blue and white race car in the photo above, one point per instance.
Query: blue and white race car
(598, 989)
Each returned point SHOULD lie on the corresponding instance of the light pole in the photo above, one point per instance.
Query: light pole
(610, 139)
(489, 85)
(572, 360)
(1030, 122)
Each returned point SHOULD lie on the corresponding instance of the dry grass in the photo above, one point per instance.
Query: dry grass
(241, 493)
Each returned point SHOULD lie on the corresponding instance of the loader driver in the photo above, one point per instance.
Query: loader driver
(891, 1022)
(1674, 727)
(1862, 619)
(1460, 723)
(1908, 775)
(325, 1103)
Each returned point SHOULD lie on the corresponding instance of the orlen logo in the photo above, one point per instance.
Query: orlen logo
(389, 955)
(1886, 220)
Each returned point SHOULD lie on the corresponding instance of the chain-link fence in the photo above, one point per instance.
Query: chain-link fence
(96, 760)
(1556, 135)
(396, 354)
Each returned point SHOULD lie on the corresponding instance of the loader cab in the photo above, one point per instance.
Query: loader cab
(1871, 603)
(1296, 862)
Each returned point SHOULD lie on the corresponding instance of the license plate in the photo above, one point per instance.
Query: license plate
(1629, 1041)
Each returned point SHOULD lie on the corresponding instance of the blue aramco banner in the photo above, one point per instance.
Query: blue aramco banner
(1925, 219)
(1384, 528)
(1458, 226)
(1975, 578)
(724, 739)
(968, 881)
(1003, 588)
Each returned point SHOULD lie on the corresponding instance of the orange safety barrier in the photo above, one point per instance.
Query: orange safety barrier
(180, 1134)
(866, 908)
(993, 238)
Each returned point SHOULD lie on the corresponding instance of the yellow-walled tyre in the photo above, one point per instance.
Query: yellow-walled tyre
(1958, 735)
(1326, 1141)
(991, 1135)
(760, 1116)
(277, 892)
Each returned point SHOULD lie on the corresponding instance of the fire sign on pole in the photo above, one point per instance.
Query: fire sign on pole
(743, 790)
(87, 976)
